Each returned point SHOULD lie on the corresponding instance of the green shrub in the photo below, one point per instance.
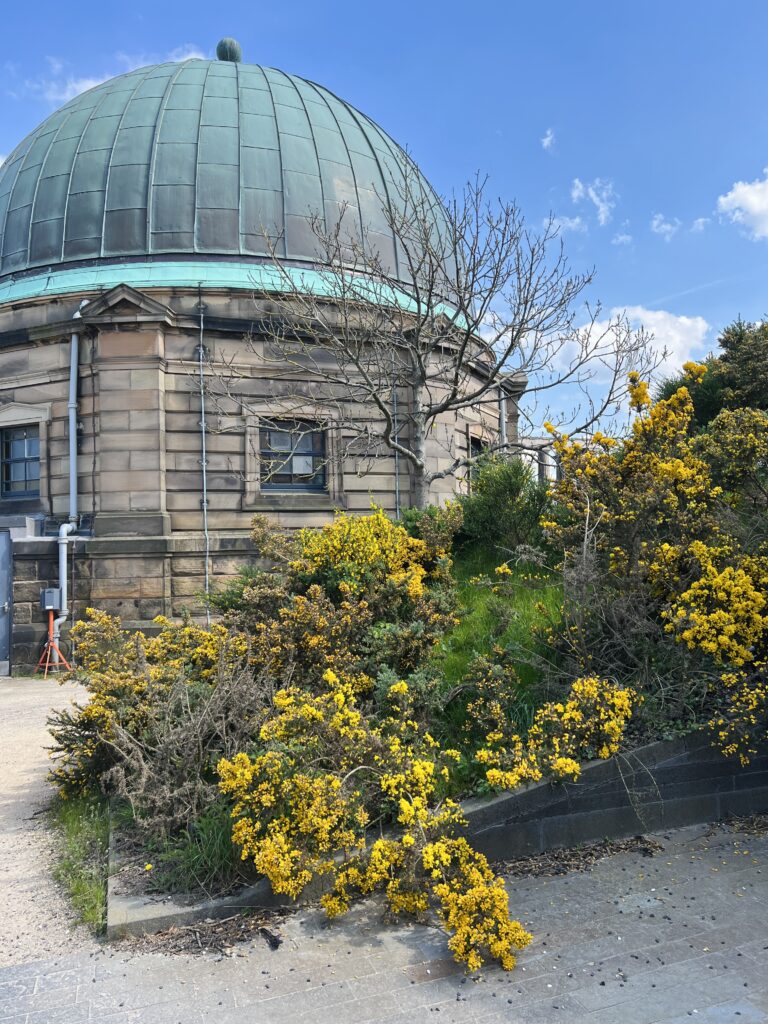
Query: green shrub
(503, 510)
(230, 597)
(436, 525)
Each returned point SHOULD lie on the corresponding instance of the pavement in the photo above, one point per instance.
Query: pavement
(679, 936)
(36, 920)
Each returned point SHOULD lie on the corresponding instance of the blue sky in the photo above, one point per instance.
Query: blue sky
(642, 127)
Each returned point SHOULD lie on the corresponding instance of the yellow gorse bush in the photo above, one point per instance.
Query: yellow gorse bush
(124, 673)
(660, 516)
(342, 780)
(297, 823)
(721, 612)
(653, 482)
(742, 727)
(363, 550)
(590, 723)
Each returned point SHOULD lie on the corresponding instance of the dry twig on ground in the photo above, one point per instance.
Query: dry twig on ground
(210, 936)
(577, 858)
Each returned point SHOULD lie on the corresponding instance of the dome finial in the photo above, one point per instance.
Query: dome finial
(229, 49)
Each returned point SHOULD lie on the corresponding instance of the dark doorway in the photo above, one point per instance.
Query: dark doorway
(6, 587)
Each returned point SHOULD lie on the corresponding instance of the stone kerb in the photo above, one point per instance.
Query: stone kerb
(669, 784)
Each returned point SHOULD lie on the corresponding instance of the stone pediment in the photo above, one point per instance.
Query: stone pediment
(124, 304)
(15, 413)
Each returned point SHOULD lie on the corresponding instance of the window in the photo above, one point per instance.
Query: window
(477, 448)
(20, 462)
(292, 455)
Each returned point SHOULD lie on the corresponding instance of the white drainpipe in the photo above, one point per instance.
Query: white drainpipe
(67, 528)
(64, 530)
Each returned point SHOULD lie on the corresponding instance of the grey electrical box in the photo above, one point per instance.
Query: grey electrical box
(50, 599)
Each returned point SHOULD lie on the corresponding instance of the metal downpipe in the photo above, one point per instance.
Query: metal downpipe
(67, 528)
(204, 459)
(502, 419)
(74, 362)
(64, 531)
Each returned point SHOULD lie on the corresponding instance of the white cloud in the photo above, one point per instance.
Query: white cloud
(62, 90)
(699, 224)
(600, 192)
(666, 228)
(63, 84)
(682, 337)
(747, 204)
(563, 224)
(670, 338)
(621, 238)
(187, 51)
(548, 139)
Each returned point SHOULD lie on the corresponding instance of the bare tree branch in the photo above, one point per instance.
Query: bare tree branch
(394, 348)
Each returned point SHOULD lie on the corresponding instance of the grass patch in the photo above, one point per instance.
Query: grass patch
(203, 858)
(488, 619)
(82, 865)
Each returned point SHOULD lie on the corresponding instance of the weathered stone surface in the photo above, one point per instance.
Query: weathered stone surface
(25, 591)
(126, 523)
(22, 612)
(115, 588)
(188, 565)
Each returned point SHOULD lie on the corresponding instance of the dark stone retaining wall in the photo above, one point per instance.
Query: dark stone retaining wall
(668, 784)
(665, 785)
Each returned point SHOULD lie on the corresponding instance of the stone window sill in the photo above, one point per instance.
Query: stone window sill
(21, 506)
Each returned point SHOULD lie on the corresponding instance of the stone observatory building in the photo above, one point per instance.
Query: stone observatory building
(139, 226)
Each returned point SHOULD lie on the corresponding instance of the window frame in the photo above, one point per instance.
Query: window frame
(263, 411)
(317, 451)
(22, 414)
(477, 446)
(8, 460)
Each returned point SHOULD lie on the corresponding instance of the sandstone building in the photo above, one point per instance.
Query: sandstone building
(135, 233)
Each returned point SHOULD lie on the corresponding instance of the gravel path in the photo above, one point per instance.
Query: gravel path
(35, 919)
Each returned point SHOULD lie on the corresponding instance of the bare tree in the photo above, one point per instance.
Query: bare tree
(469, 306)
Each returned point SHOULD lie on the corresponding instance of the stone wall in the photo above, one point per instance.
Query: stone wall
(135, 578)
(139, 448)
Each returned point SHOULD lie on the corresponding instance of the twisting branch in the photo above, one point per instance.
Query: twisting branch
(458, 305)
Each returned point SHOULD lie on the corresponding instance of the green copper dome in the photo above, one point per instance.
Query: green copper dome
(197, 159)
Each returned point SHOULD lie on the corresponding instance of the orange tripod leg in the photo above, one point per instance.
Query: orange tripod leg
(49, 649)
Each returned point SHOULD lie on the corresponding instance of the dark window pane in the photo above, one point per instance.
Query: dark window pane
(278, 441)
